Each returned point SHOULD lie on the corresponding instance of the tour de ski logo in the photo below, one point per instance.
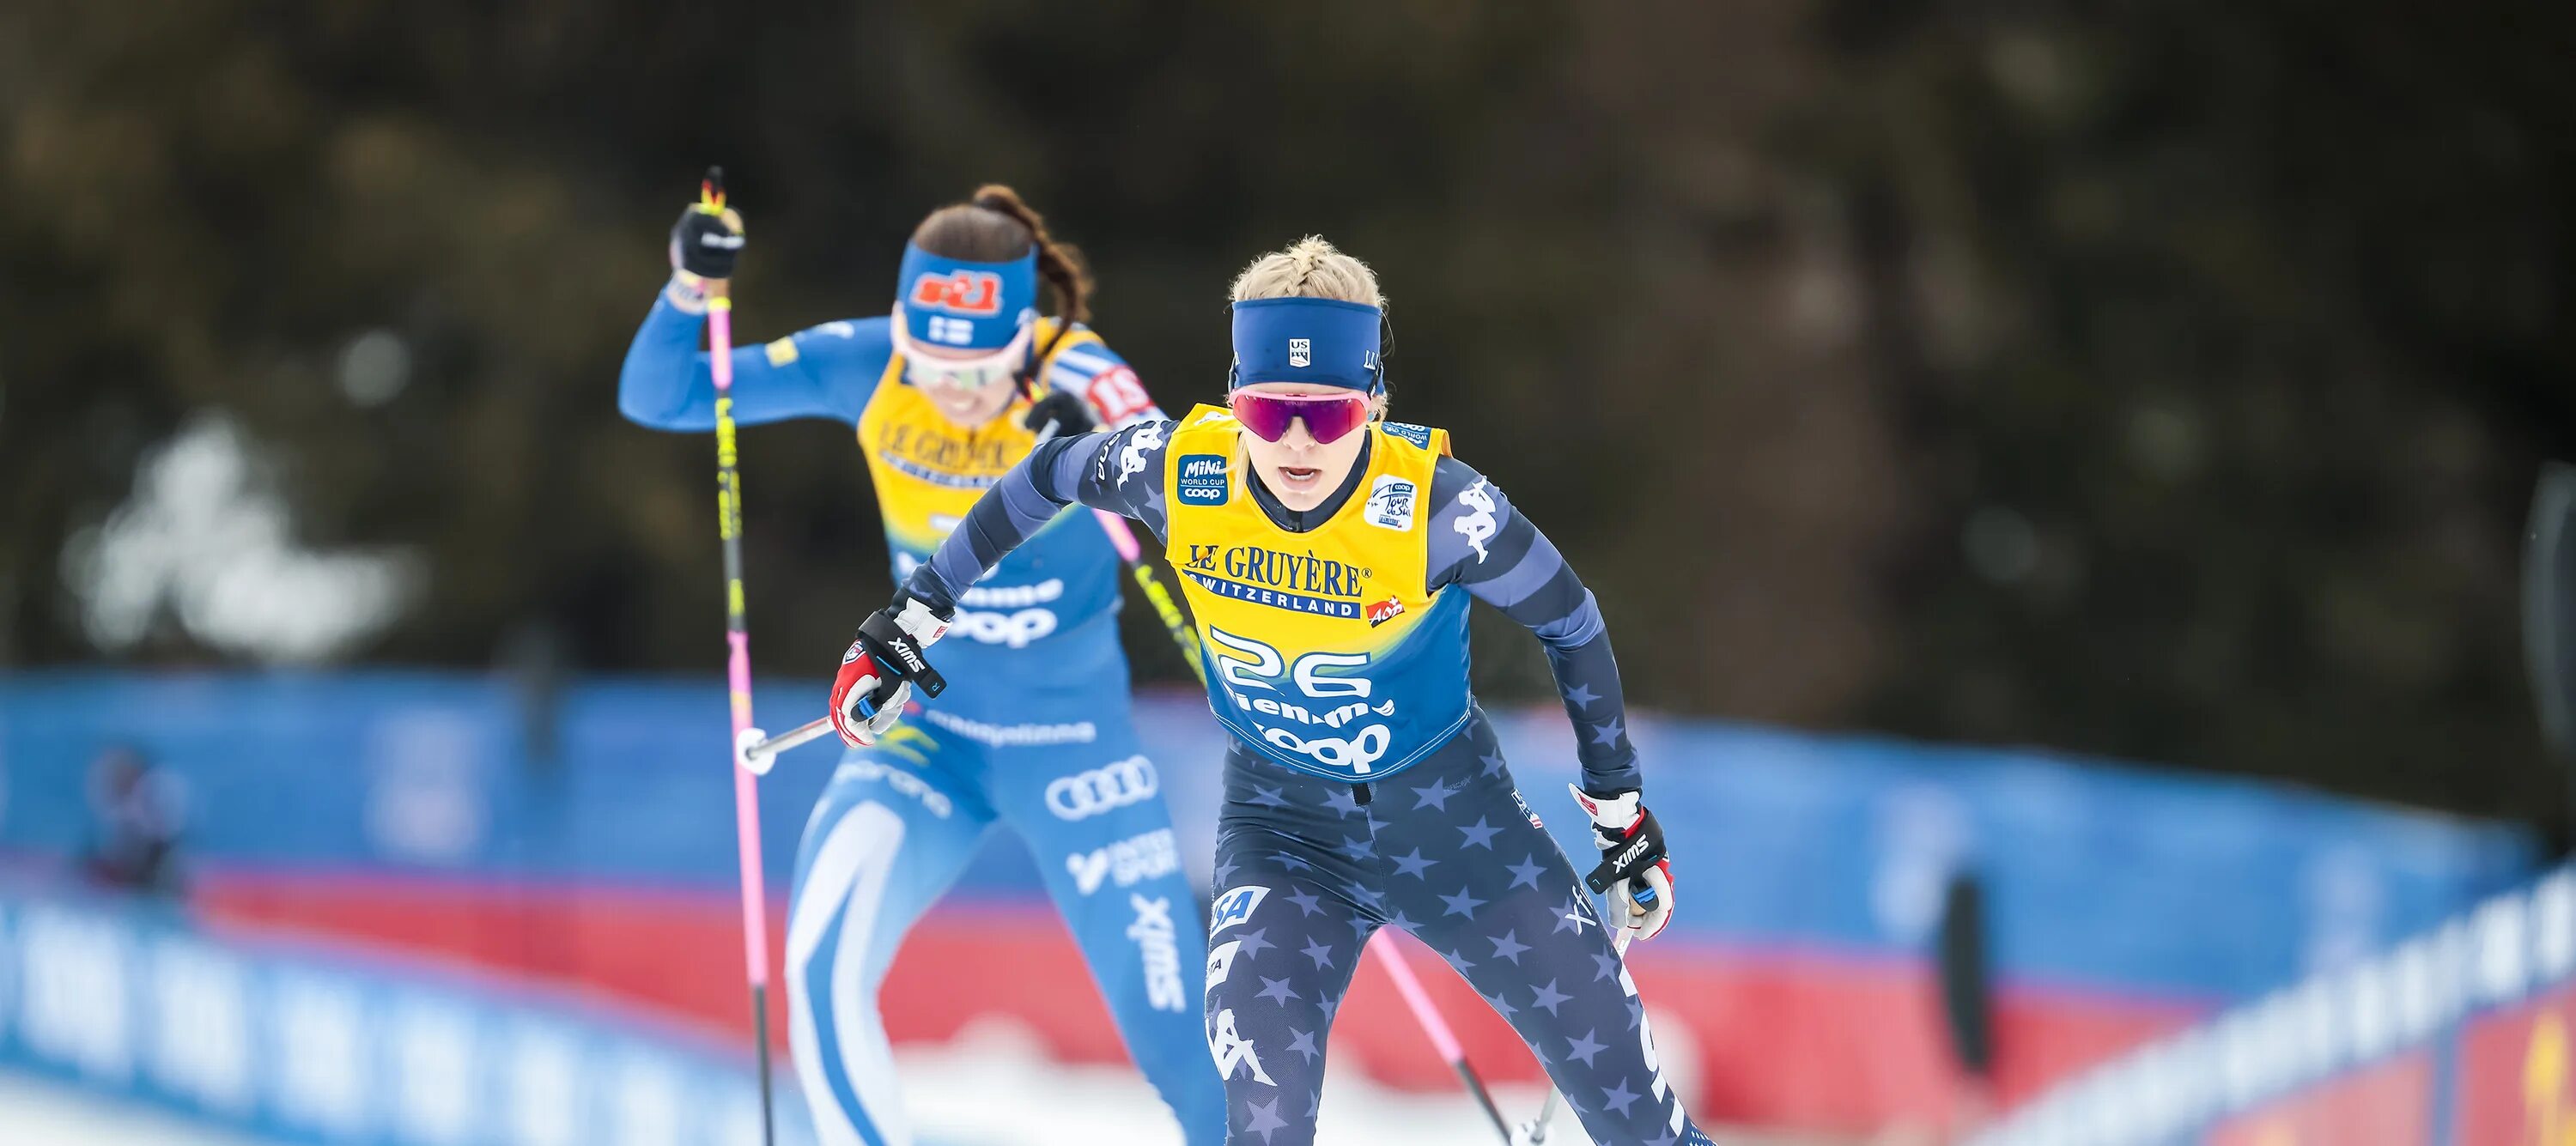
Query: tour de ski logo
(1202, 479)
(1390, 503)
(1301, 352)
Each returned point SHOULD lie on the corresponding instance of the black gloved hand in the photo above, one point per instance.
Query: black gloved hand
(1069, 414)
(1635, 871)
(706, 244)
(883, 664)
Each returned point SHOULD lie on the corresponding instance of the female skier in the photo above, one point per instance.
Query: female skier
(1324, 551)
(946, 395)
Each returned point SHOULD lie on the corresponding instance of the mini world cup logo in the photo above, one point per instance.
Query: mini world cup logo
(1301, 352)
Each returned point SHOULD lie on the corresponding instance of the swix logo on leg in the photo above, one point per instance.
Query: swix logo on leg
(1235, 906)
(1153, 934)
(975, 293)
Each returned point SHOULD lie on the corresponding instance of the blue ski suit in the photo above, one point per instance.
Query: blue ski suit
(1036, 733)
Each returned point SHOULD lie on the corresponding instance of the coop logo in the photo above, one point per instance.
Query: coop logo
(1010, 630)
(1384, 611)
(1108, 787)
(975, 294)
(1297, 582)
(1355, 754)
(1301, 352)
(1390, 503)
(1202, 480)
(1235, 906)
(1161, 954)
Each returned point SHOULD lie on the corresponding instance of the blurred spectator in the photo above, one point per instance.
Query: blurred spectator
(136, 818)
(1967, 999)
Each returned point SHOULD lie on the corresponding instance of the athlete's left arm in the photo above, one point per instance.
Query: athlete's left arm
(1480, 541)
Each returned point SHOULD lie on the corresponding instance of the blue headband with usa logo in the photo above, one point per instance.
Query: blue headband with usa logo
(968, 305)
(1319, 340)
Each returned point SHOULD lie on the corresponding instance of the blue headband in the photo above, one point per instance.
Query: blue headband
(972, 306)
(1320, 340)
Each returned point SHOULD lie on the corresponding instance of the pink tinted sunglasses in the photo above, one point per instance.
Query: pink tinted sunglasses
(1327, 416)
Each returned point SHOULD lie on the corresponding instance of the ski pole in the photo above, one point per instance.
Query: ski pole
(759, 749)
(746, 792)
(1175, 622)
(1442, 1040)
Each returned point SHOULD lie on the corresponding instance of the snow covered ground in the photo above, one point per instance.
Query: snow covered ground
(990, 1087)
(41, 1111)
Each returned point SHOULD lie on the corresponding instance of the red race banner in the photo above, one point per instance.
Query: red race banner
(2515, 1088)
(2386, 1104)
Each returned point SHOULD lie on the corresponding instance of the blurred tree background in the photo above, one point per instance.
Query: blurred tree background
(2164, 381)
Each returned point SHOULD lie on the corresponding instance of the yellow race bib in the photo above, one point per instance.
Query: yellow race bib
(1323, 649)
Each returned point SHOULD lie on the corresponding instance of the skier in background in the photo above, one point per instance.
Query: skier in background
(946, 395)
(1329, 556)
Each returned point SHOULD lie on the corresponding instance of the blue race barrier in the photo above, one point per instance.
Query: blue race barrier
(295, 1046)
(2457, 1037)
(2101, 878)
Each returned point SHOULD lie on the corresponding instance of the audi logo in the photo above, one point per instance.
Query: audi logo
(1115, 785)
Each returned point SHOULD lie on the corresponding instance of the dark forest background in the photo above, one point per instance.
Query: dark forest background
(2158, 380)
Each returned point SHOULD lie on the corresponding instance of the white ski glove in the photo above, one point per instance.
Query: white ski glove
(1634, 874)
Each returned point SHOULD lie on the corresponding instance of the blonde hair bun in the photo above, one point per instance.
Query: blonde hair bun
(1309, 268)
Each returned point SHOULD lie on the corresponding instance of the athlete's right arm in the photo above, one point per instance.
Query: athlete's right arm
(1120, 471)
(824, 372)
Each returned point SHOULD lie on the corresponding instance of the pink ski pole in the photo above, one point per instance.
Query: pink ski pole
(746, 790)
(1442, 1040)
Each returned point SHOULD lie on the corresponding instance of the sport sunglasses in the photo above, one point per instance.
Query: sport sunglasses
(928, 370)
(1327, 416)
